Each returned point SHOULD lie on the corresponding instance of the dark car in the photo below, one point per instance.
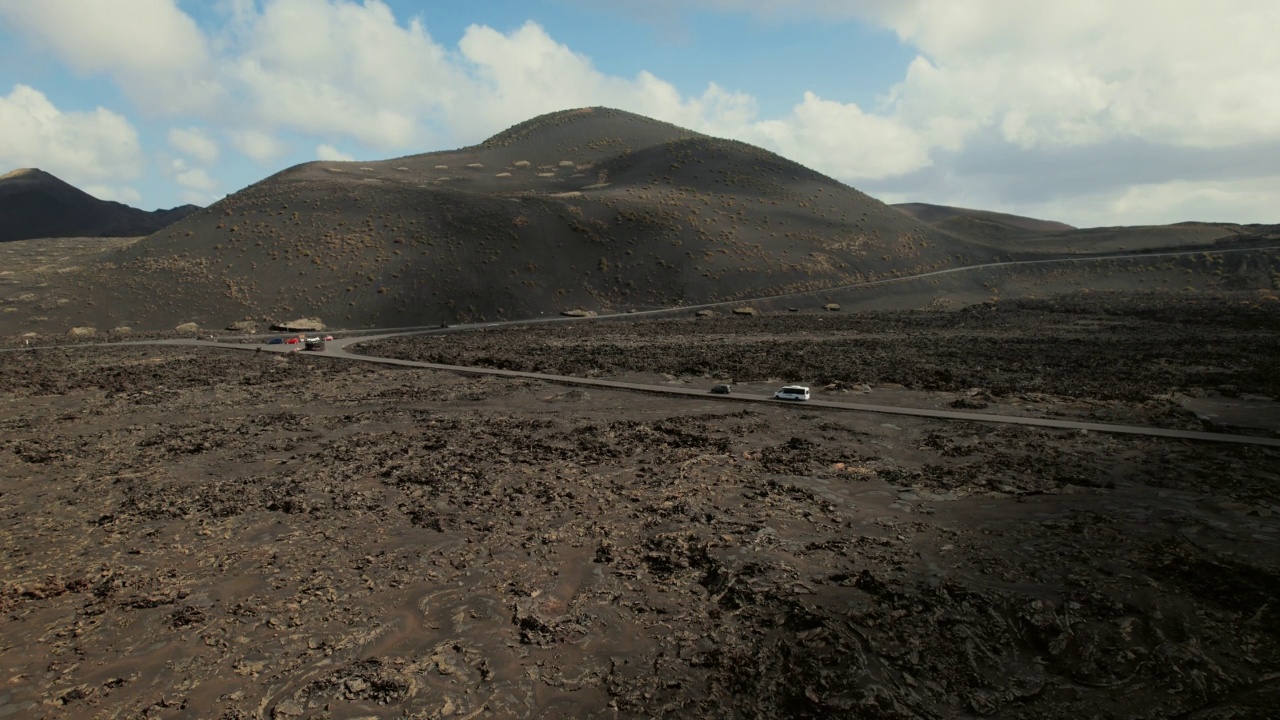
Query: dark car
(276, 341)
(720, 389)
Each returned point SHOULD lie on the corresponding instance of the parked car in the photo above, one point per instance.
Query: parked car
(793, 392)
(276, 341)
(292, 341)
(314, 343)
(720, 389)
(327, 338)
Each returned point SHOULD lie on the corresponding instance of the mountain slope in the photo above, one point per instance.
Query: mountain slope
(592, 208)
(35, 204)
(941, 214)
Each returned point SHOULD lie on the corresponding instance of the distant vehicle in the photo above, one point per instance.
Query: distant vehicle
(720, 389)
(314, 343)
(793, 392)
(292, 341)
(276, 341)
(327, 338)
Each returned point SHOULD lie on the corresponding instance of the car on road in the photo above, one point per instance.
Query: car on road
(314, 343)
(720, 389)
(327, 338)
(292, 341)
(276, 341)
(793, 392)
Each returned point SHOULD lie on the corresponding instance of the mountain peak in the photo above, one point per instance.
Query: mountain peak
(37, 204)
(27, 174)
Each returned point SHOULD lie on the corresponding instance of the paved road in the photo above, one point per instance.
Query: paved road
(338, 349)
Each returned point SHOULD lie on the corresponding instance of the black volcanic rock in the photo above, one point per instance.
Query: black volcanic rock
(35, 204)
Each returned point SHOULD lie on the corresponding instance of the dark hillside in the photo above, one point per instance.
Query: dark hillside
(35, 204)
(594, 208)
(941, 214)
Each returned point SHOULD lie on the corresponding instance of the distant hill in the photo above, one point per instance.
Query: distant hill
(593, 208)
(35, 204)
(1016, 235)
(982, 225)
(935, 214)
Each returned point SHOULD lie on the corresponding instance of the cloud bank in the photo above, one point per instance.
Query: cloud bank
(1032, 83)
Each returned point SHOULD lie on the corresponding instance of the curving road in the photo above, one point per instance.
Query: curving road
(338, 349)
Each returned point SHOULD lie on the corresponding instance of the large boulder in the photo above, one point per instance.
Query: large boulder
(299, 325)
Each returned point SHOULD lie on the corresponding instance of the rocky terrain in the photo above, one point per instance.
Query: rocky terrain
(220, 533)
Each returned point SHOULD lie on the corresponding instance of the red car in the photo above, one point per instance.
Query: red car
(291, 341)
(327, 338)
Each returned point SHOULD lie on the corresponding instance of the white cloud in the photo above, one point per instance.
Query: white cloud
(334, 67)
(842, 140)
(180, 172)
(258, 145)
(194, 197)
(196, 179)
(1054, 73)
(1033, 75)
(116, 193)
(1241, 201)
(195, 143)
(331, 153)
(156, 52)
(79, 147)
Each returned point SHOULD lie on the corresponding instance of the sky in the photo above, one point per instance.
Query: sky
(1090, 112)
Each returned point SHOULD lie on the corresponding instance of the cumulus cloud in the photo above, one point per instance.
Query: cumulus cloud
(196, 179)
(337, 67)
(258, 145)
(842, 140)
(331, 153)
(1010, 78)
(156, 52)
(195, 143)
(79, 147)
(116, 193)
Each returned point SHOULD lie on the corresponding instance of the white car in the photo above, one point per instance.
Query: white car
(793, 392)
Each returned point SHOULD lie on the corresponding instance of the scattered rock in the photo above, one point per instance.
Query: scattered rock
(750, 311)
(299, 325)
(579, 313)
(187, 328)
(705, 313)
(83, 331)
(243, 326)
(287, 709)
(833, 307)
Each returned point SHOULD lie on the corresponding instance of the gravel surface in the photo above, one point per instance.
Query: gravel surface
(205, 533)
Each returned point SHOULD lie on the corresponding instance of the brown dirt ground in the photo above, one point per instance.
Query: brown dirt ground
(195, 533)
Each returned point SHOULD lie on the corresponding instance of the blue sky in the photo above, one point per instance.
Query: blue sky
(1088, 113)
